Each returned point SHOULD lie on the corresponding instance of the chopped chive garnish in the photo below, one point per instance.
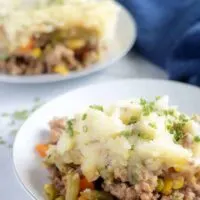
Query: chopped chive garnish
(143, 102)
(132, 147)
(126, 133)
(158, 98)
(97, 107)
(183, 118)
(153, 125)
(84, 116)
(132, 120)
(21, 115)
(85, 129)
(148, 107)
(178, 135)
(170, 112)
(2, 141)
(197, 138)
(70, 128)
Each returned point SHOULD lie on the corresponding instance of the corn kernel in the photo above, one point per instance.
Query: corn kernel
(193, 180)
(178, 183)
(75, 43)
(50, 191)
(61, 69)
(160, 185)
(167, 189)
(36, 52)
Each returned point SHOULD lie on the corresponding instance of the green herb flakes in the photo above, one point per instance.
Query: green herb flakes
(143, 102)
(97, 107)
(153, 125)
(148, 108)
(70, 127)
(178, 135)
(85, 129)
(170, 112)
(132, 120)
(158, 98)
(21, 115)
(132, 147)
(2, 141)
(183, 118)
(197, 138)
(84, 116)
(145, 136)
(126, 133)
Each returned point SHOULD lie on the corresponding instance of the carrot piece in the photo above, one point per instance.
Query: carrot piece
(42, 149)
(27, 47)
(84, 184)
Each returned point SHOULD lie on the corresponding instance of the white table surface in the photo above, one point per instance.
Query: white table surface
(18, 96)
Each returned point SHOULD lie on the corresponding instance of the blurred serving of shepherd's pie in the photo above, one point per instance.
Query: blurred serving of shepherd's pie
(56, 37)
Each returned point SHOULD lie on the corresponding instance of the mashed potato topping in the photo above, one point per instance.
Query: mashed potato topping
(134, 136)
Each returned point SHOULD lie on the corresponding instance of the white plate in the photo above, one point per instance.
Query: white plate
(120, 45)
(30, 172)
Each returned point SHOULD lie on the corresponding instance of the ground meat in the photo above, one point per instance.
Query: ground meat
(62, 54)
(121, 190)
(189, 194)
(19, 64)
(146, 196)
(187, 141)
(121, 174)
(13, 69)
(56, 178)
(57, 126)
(143, 187)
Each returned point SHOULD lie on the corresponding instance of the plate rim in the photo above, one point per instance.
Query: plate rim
(92, 69)
(120, 81)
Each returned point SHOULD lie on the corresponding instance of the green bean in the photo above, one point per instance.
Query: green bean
(50, 191)
(73, 186)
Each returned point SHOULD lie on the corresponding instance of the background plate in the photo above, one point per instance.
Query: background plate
(120, 45)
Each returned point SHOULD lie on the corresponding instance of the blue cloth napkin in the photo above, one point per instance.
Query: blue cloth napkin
(169, 35)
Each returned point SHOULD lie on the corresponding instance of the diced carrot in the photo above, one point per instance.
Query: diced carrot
(42, 149)
(27, 47)
(84, 184)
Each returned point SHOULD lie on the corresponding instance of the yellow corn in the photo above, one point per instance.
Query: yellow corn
(61, 69)
(50, 191)
(167, 189)
(160, 185)
(60, 198)
(178, 169)
(75, 43)
(193, 180)
(36, 52)
(178, 183)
